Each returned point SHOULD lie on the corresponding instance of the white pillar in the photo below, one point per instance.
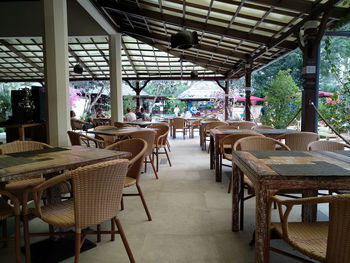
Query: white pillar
(55, 41)
(115, 70)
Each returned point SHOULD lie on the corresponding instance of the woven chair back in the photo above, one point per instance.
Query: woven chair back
(232, 138)
(258, 143)
(97, 191)
(246, 125)
(210, 119)
(74, 138)
(108, 139)
(326, 146)
(213, 125)
(122, 124)
(137, 147)
(226, 127)
(338, 242)
(261, 127)
(162, 134)
(179, 123)
(148, 136)
(22, 146)
(298, 141)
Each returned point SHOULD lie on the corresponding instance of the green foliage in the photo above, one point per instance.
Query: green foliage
(170, 105)
(283, 99)
(262, 78)
(168, 88)
(128, 101)
(5, 102)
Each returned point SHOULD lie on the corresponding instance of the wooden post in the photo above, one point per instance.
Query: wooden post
(226, 98)
(138, 91)
(311, 57)
(248, 72)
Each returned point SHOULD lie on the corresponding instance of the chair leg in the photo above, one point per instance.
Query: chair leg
(26, 238)
(145, 164)
(168, 145)
(230, 183)
(4, 231)
(98, 233)
(122, 204)
(77, 245)
(241, 214)
(18, 239)
(154, 169)
(125, 241)
(144, 202)
(113, 230)
(167, 156)
(157, 154)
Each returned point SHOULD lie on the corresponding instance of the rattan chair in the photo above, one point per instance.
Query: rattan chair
(8, 211)
(298, 141)
(148, 136)
(107, 139)
(122, 124)
(254, 143)
(160, 142)
(81, 139)
(207, 129)
(322, 241)
(246, 125)
(256, 127)
(179, 125)
(137, 147)
(194, 125)
(17, 186)
(167, 141)
(326, 146)
(225, 150)
(97, 192)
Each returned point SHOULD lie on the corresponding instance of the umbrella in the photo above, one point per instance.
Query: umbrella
(322, 94)
(252, 98)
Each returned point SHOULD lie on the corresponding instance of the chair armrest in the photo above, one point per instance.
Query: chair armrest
(98, 143)
(14, 200)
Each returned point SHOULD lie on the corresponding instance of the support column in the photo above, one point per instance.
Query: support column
(55, 45)
(226, 98)
(248, 72)
(115, 77)
(311, 59)
(138, 92)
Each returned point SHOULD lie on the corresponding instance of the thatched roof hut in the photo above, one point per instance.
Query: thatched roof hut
(201, 91)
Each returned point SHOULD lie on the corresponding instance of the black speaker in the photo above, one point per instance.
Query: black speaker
(39, 99)
(19, 113)
(184, 40)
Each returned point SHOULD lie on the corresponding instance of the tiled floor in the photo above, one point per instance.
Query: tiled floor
(191, 217)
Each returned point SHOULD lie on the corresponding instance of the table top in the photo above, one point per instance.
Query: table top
(24, 125)
(141, 123)
(229, 131)
(274, 132)
(120, 131)
(52, 160)
(321, 165)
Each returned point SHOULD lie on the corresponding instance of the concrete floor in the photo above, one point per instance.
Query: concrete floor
(191, 217)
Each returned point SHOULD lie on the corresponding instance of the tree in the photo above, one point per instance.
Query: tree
(283, 99)
(5, 101)
(128, 102)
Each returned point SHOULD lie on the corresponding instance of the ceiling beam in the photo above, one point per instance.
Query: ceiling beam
(209, 28)
(129, 58)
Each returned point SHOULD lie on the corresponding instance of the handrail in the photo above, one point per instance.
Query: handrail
(293, 118)
(328, 124)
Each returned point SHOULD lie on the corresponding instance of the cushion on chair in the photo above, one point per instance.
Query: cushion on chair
(129, 181)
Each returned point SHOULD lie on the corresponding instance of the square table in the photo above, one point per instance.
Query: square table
(273, 171)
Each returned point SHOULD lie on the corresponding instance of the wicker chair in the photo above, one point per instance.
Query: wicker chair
(246, 125)
(323, 241)
(261, 127)
(17, 186)
(225, 150)
(81, 139)
(253, 143)
(7, 211)
(179, 124)
(298, 141)
(194, 125)
(107, 139)
(207, 129)
(165, 124)
(137, 148)
(160, 142)
(326, 146)
(97, 192)
(148, 136)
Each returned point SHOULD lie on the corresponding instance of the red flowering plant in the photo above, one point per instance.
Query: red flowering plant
(74, 96)
(218, 102)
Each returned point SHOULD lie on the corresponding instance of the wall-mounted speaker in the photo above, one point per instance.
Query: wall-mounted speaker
(184, 40)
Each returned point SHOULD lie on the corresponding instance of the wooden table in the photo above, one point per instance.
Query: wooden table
(21, 128)
(141, 123)
(104, 121)
(20, 165)
(272, 133)
(273, 171)
(119, 131)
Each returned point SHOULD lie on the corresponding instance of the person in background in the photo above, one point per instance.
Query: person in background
(193, 110)
(145, 116)
(80, 124)
(138, 113)
(99, 114)
(177, 111)
(129, 116)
